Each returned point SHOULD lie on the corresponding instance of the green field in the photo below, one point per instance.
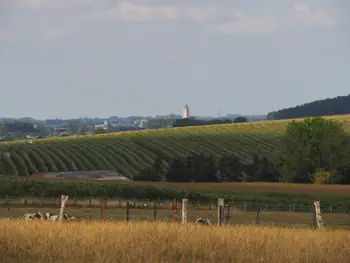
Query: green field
(130, 152)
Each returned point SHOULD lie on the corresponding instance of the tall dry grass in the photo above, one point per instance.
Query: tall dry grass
(30, 241)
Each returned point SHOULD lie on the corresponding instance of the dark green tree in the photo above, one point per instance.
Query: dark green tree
(262, 170)
(155, 173)
(193, 168)
(240, 119)
(230, 169)
(100, 131)
(313, 144)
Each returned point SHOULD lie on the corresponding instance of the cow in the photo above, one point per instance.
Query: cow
(33, 216)
(203, 221)
(52, 217)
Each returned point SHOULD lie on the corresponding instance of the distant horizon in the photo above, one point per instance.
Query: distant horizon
(127, 116)
(71, 58)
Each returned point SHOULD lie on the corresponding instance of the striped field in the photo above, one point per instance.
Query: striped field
(130, 152)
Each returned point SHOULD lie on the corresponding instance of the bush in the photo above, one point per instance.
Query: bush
(321, 177)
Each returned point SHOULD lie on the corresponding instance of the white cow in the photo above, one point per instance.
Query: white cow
(53, 217)
(203, 221)
(33, 216)
(47, 216)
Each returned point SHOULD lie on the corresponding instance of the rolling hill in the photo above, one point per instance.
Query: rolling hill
(130, 152)
(326, 107)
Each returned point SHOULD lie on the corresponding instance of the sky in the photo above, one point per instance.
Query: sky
(101, 58)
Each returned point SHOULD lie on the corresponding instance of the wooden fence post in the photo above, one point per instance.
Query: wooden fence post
(228, 214)
(42, 199)
(258, 215)
(184, 210)
(175, 210)
(102, 208)
(318, 214)
(155, 211)
(220, 211)
(64, 200)
(127, 211)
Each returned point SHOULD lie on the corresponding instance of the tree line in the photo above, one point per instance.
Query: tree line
(195, 122)
(205, 168)
(326, 107)
(313, 151)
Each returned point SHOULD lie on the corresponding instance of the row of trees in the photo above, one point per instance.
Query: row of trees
(205, 168)
(313, 151)
(195, 122)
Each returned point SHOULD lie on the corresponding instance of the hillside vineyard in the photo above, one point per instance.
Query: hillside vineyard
(131, 152)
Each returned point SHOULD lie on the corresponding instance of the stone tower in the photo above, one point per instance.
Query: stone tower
(186, 112)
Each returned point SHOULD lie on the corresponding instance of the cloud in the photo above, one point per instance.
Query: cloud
(304, 15)
(48, 4)
(245, 24)
(205, 13)
(131, 12)
(8, 36)
(214, 18)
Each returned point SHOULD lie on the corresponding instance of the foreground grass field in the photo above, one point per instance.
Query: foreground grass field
(130, 152)
(41, 242)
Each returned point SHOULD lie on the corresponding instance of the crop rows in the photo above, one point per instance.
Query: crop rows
(130, 152)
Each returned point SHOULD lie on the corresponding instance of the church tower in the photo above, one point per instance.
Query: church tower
(186, 112)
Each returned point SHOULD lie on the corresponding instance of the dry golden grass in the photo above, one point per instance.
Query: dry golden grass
(39, 241)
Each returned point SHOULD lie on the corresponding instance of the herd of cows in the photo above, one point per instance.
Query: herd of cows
(53, 217)
(47, 216)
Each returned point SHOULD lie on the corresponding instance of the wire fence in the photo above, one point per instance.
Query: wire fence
(170, 210)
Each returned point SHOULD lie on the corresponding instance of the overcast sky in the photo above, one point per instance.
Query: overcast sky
(71, 58)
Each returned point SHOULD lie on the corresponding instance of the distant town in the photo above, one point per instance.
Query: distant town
(28, 128)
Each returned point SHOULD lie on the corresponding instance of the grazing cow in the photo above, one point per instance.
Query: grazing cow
(53, 217)
(33, 216)
(203, 221)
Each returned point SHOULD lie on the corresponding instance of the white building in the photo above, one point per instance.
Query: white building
(103, 126)
(186, 112)
(143, 123)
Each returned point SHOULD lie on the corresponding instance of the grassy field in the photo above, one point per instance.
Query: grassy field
(130, 152)
(237, 215)
(281, 196)
(30, 242)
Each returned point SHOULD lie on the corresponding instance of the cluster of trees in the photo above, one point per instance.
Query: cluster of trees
(327, 107)
(194, 122)
(205, 168)
(11, 126)
(313, 151)
(19, 129)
